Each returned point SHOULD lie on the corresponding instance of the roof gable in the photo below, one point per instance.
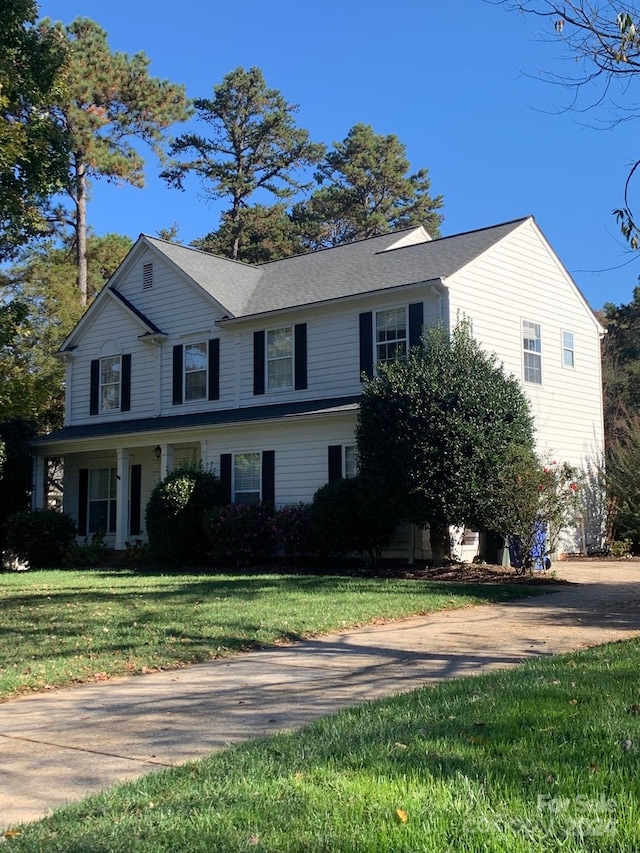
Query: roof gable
(228, 282)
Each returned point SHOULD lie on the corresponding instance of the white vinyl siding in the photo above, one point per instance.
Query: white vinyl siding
(195, 371)
(521, 278)
(279, 362)
(110, 383)
(568, 351)
(532, 355)
(110, 320)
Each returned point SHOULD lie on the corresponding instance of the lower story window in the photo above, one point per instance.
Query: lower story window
(350, 461)
(102, 500)
(246, 478)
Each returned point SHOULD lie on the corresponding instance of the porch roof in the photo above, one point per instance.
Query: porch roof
(217, 417)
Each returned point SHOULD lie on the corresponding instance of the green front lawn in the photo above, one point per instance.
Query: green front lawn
(537, 759)
(63, 627)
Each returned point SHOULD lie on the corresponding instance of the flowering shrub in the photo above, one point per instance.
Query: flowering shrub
(537, 501)
(293, 532)
(558, 500)
(240, 534)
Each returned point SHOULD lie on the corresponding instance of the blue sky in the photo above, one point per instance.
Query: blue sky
(459, 83)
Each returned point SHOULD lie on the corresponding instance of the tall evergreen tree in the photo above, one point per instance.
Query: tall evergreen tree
(32, 146)
(268, 234)
(254, 145)
(621, 364)
(109, 101)
(41, 288)
(365, 190)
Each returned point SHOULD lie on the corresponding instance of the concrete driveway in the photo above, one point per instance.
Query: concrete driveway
(60, 746)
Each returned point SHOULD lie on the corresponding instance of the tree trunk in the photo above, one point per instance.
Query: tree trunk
(81, 229)
(440, 543)
(235, 218)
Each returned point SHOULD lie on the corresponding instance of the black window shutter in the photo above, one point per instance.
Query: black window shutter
(214, 369)
(269, 477)
(258, 362)
(416, 321)
(125, 392)
(83, 499)
(335, 462)
(177, 374)
(95, 386)
(300, 367)
(134, 502)
(225, 475)
(366, 343)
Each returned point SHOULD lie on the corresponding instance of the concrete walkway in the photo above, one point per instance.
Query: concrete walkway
(60, 746)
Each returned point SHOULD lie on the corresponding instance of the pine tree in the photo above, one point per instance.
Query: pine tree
(365, 190)
(254, 145)
(33, 161)
(110, 100)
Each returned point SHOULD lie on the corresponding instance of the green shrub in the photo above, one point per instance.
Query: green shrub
(619, 547)
(346, 519)
(240, 535)
(44, 537)
(90, 553)
(175, 514)
(294, 533)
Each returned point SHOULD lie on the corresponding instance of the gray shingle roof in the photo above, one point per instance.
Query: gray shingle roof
(354, 268)
(366, 266)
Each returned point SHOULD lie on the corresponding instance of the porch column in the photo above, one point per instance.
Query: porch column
(37, 489)
(122, 498)
(166, 460)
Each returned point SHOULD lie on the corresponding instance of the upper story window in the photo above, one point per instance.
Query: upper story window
(280, 358)
(532, 346)
(195, 371)
(568, 352)
(110, 383)
(391, 334)
(246, 478)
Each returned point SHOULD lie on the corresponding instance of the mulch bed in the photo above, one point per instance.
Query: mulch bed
(474, 573)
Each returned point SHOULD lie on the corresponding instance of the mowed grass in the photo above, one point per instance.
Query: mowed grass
(63, 627)
(540, 758)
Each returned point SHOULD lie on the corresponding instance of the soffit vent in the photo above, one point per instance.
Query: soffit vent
(147, 276)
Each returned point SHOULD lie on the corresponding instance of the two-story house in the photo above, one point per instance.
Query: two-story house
(256, 371)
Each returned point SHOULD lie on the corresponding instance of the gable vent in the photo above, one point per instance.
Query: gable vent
(147, 276)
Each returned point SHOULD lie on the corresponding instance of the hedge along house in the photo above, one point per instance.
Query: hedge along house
(256, 370)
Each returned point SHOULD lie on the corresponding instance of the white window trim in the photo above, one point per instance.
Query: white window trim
(571, 349)
(531, 382)
(101, 385)
(376, 344)
(233, 473)
(346, 447)
(111, 498)
(267, 360)
(194, 343)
